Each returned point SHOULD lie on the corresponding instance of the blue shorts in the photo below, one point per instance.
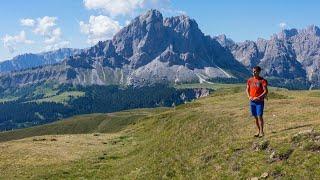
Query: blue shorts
(256, 108)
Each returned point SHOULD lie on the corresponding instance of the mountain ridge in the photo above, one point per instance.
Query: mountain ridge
(290, 54)
(149, 50)
(33, 60)
(172, 50)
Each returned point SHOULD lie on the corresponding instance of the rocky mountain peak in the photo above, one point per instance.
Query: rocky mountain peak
(287, 33)
(141, 36)
(312, 30)
(182, 24)
(224, 41)
(151, 16)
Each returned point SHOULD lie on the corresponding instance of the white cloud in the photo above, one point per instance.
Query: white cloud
(131, 8)
(113, 7)
(54, 36)
(11, 42)
(45, 25)
(283, 25)
(99, 28)
(27, 22)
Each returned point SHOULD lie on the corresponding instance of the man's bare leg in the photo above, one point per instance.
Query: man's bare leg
(261, 124)
(258, 126)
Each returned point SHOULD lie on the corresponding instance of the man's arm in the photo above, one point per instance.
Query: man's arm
(248, 92)
(265, 92)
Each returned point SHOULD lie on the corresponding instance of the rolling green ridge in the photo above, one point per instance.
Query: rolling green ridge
(209, 138)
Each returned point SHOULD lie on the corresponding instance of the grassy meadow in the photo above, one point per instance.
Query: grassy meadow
(209, 138)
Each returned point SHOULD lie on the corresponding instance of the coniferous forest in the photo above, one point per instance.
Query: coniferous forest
(31, 106)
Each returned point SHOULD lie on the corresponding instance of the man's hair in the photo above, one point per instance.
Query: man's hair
(258, 68)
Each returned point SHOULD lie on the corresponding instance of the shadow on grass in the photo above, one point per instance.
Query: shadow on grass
(295, 127)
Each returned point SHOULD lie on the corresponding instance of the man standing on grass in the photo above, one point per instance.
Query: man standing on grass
(257, 91)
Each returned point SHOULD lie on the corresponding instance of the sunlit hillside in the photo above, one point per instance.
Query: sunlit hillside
(208, 138)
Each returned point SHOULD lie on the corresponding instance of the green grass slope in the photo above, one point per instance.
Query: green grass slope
(210, 138)
(91, 123)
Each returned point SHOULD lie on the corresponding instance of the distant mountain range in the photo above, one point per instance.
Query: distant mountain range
(30, 60)
(153, 49)
(289, 55)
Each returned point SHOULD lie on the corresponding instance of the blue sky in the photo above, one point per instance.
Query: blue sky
(35, 25)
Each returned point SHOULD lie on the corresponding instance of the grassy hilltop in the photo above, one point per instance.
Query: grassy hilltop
(209, 138)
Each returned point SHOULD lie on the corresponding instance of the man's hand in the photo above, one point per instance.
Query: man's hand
(256, 99)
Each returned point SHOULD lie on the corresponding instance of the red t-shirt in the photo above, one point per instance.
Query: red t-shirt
(256, 86)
